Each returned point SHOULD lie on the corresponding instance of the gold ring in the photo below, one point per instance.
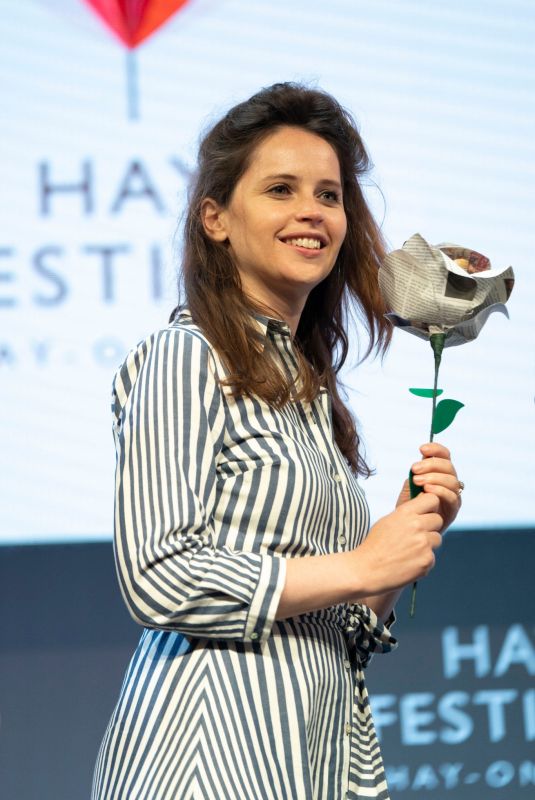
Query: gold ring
(460, 489)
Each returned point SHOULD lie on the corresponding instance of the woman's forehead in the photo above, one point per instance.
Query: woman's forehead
(294, 151)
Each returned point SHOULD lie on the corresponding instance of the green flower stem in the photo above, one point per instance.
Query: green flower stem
(437, 341)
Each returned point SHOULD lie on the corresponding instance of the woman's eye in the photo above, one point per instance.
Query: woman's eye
(330, 196)
(280, 189)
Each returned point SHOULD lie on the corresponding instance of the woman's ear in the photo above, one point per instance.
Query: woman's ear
(213, 220)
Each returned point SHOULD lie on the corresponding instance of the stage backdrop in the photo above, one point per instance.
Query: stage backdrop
(454, 704)
(100, 124)
(98, 139)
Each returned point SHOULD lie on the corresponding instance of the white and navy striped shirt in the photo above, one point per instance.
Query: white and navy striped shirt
(213, 494)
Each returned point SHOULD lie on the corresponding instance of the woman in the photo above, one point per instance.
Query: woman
(242, 541)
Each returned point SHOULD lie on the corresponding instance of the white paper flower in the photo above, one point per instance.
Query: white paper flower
(445, 289)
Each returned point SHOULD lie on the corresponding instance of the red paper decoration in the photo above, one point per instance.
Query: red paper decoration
(135, 20)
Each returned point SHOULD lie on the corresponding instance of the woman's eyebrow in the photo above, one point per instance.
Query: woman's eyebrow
(284, 176)
(330, 183)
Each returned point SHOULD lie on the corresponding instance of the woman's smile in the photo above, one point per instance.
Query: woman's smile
(305, 242)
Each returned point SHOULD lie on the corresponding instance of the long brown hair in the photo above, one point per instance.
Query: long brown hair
(212, 285)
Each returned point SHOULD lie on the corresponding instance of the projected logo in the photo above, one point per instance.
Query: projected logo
(89, 244)
(470, 730)
(100, 208)
(133, 21)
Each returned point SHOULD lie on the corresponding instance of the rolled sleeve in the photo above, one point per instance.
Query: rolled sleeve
(265, 601)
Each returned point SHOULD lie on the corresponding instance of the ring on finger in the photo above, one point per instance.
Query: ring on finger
(460, 489)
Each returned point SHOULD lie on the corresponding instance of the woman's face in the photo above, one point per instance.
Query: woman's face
(285, 222)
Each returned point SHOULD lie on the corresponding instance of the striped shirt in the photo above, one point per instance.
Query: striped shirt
(213, 494)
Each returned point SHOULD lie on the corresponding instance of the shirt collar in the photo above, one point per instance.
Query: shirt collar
(272, 325)
(271, 328)
(266, 324)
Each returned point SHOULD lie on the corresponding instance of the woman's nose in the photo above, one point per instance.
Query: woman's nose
(309, 209)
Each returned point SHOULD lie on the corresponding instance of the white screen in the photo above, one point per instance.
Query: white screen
(443, 94)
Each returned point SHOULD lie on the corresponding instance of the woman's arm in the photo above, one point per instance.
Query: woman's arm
(436, 473)
(169, 428)
(398, 550)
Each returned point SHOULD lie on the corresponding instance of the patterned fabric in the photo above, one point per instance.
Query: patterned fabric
(213, 494)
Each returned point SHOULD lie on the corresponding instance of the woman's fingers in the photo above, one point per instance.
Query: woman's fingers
(422, 504)
(433, 464)
(431, 449)
(436, 475)
(433, 524)
(425, 512)
(450, 502)
(445, 479)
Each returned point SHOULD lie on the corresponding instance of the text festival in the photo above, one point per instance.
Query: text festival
(501, 707)
(51, 264)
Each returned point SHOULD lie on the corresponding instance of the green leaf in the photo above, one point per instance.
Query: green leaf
(425, 392)
(445, 413)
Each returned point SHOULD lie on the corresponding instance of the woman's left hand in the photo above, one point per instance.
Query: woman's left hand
(436, 475)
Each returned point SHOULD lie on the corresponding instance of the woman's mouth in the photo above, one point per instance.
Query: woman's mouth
(309, 243)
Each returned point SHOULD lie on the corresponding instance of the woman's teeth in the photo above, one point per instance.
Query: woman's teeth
(311, 244)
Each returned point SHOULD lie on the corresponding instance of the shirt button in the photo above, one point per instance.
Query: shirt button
(254, 635)
(347, 663)
(337, 477)
(342, 539)
(348, 728)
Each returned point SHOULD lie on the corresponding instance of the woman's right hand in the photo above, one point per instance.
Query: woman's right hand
(399, 548)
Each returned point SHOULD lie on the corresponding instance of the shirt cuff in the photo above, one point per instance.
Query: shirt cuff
(266, 598)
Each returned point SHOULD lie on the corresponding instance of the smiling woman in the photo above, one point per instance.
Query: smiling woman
(241, 530)
(289, 116)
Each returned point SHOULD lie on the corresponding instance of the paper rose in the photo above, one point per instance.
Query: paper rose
(443, 294)
(446, 289)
